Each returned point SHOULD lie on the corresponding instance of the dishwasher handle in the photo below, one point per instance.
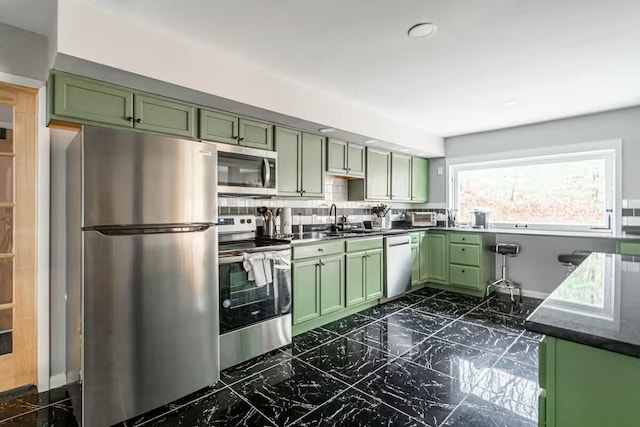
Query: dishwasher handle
(391, 245)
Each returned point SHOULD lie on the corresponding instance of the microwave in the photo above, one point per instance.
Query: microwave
(246, 171)
(424, 219)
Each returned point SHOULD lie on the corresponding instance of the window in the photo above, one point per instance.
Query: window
(570, 191)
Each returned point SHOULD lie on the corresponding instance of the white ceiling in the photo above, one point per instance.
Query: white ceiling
(37, 16)
(556, 58)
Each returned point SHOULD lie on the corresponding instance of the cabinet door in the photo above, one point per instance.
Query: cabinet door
(336, 156)
(84, 99)
(415, 265)
(288, 146)
(437, 255)
(373, 276)
(306, 290)
(356, 292)
(400, 177)
(255, 134)
(218, 127)
(424, 258)
(378, 174)
(355, 160)
(164, 116)
(419, 179)
(312, 165)
(331, 284)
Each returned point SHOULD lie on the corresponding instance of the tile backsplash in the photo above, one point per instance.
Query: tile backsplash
(317, 211)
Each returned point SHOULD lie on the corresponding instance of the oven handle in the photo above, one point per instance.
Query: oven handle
(230, 259)
(266, 173)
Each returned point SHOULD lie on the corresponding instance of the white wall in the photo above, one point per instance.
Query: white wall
(537, 267)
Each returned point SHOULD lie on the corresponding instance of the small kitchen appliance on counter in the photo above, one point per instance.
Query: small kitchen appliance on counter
(423, 219)
(480, 218)
(255, 291)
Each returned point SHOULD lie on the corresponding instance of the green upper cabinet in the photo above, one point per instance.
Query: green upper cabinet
(306, 290)
(345, 158)
(301, 158)
(331, 284)
(374, 274)
(400, 177)
(255, 134)
(355, 266)
(312, 165)
(419, 179)
(355, 160)
(288, 144)
(218, 127)
(437, 257)
(166, 116)
(336, 156)
(90, 101)
(378, 180)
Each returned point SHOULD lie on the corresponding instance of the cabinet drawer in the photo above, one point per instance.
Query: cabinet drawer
(464, 254)
(318, 249)
(464, 276)
(470, 239)
(629, 248)
(354, 245)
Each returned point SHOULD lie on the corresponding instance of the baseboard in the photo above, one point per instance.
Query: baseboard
(58, 380)
(527, 293)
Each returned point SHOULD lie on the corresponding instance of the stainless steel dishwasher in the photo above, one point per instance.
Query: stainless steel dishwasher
(397, 265)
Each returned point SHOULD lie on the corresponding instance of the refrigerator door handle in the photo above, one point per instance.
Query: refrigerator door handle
(266, 173)
(151, 229)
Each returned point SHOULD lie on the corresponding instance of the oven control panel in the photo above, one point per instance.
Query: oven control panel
(236, 223)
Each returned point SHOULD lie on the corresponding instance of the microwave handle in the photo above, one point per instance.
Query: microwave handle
(266, 173)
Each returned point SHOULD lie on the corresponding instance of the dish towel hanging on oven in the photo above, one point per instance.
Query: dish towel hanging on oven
(258, 267)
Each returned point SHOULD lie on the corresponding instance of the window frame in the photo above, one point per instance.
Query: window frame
(608, 151)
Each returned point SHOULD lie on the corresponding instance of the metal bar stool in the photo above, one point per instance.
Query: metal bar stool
(506, 250)
(573, 260)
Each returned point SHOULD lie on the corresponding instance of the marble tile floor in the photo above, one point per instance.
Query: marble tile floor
(428, 359)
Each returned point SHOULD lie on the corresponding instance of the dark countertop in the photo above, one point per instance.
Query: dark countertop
(320, 236)
(597, 305)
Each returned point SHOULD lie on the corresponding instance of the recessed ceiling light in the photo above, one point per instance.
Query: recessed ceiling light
(510, 103)
(405, 150)
(422, 30)
(327, 130)
(370, 141)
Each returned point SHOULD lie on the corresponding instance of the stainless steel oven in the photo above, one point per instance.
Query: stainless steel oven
(254, 291)
(246, 171)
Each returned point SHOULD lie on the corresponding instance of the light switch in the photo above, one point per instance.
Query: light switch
(440, 171)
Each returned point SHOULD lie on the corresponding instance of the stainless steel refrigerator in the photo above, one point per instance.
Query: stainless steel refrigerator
(142, 291)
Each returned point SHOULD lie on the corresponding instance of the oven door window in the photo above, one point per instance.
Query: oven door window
(242, 303)
(238, 170)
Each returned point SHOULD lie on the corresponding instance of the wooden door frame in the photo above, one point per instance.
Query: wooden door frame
(21, 367)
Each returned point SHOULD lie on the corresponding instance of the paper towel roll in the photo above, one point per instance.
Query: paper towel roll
(286, 221)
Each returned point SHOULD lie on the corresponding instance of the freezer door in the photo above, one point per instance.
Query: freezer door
(150, 320)
(136, 178)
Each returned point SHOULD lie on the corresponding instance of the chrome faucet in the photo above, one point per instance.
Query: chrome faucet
(334, 208)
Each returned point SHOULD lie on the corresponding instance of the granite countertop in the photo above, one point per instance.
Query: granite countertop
(320, 236)
(597, 305)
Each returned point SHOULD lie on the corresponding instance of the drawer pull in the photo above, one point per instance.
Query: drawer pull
(320, 250)
(462, 271)
(463, 239)
(462, 249)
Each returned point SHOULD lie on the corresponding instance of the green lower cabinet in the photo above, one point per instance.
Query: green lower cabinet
(306, 290)
(86, 100)
(331, 284)
(628, 248)
(587, 387)
(355, 266)
(165, 116)
(415, 265)
(423, 267)
(437, 257)
(374, 274)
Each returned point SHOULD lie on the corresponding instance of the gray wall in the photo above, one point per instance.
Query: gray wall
(537, 267)
(619, 124)
(23, 53)
(437, 183)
